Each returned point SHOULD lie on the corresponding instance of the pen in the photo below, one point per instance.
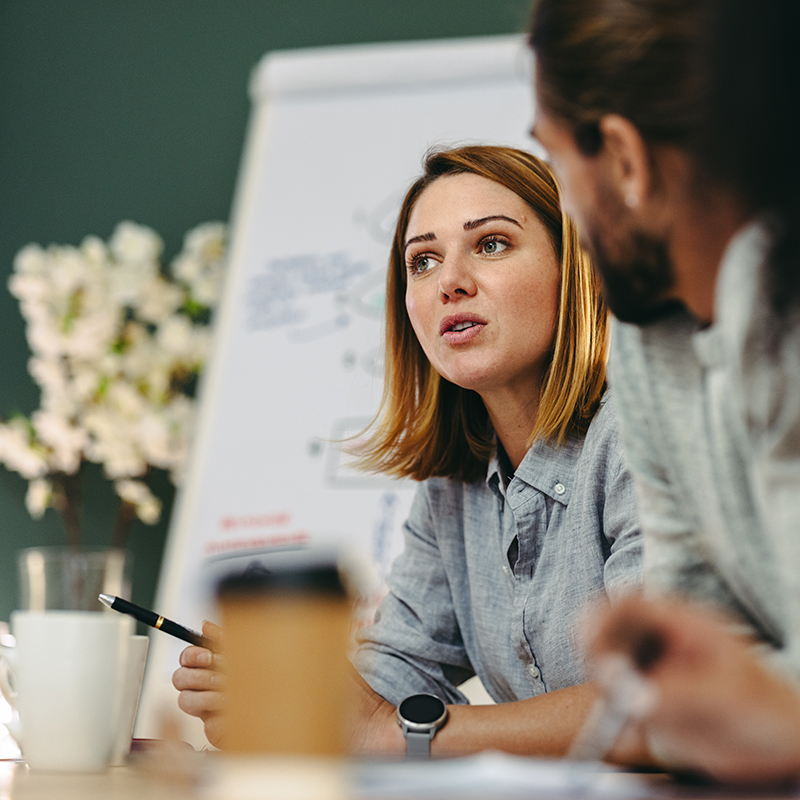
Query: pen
(627, 696)
(156, 621)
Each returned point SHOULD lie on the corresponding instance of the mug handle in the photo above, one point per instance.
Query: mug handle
(8, 655)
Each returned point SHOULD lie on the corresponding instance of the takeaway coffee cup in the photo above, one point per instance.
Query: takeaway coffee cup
(286, 635)
(65, 676)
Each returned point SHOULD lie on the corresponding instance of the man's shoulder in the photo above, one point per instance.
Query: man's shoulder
(642, 347)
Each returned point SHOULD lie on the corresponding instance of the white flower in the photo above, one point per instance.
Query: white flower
(164, 434)
(127, 281)
(135, 244)
(68, 270)
(95, 251)
(65, 441)
(38, 496)
(115, 342)
(207, 241)
(44, 339)
(29, 287)
(17, 452)
(158, 300)
(93, 335)
(31, 260)
(50, 375)
(137, 493)
(123, 398)
(149, 511)
(110, 444)
(154, 434)
(201, 263)
(175, 336)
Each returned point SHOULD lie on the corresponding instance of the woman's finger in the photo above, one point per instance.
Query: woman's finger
(201, 704)
(199, 680)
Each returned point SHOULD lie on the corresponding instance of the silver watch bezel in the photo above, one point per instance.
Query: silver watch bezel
(422, 727)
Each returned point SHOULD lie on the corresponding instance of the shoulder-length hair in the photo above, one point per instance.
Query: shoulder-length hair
(427, 426)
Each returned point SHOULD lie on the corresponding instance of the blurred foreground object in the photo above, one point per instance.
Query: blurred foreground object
(286, 639)
(118, 343)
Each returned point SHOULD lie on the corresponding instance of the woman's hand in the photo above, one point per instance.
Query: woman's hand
(201, 685)
(373, 726)
(718, 709)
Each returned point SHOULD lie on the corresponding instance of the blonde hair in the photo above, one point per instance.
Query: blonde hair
(429, 427)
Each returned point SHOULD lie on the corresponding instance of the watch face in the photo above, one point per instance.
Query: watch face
(423, 709)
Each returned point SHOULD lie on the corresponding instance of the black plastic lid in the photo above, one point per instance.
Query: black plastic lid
(316, 578)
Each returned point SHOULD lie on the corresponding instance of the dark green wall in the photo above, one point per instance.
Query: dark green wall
(136, 109)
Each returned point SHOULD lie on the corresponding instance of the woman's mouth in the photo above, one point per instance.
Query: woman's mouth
(461, 329)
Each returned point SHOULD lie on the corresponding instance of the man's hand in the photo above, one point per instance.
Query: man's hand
(718, 709)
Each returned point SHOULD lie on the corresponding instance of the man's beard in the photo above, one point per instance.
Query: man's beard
(638, 278)
(636, 285)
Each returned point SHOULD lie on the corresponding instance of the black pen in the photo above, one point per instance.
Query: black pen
(156, 621)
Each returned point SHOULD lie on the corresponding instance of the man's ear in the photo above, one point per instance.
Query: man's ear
(627, 157)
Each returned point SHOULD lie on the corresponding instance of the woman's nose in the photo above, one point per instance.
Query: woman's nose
(455, 279)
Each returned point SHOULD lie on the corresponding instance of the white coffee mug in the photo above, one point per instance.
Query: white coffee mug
(134, 672)
(66, 681)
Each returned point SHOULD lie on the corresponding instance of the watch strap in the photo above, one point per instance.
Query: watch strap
(418, 744)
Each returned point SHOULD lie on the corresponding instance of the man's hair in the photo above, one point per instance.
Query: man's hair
(428, 426)
(750, 58)
(720, 78)
(634, 58)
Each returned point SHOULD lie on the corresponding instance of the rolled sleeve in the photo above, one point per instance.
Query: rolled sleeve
(415, 643)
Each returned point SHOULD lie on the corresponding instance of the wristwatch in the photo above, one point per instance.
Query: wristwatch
(420, 716)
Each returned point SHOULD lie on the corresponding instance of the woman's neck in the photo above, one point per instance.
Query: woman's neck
(513, 416)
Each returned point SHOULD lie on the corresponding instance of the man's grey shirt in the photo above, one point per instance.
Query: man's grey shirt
(710, 421)
(493, 578)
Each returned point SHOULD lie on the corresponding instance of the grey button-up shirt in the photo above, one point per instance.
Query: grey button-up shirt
(710, 420)
(493, 577)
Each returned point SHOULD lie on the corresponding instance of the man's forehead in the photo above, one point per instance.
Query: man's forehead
(541, 131)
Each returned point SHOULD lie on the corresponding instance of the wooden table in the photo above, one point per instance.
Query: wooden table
(17, 782)
(174, 775)
(212, 777)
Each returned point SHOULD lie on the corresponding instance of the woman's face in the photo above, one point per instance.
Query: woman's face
(483, 285)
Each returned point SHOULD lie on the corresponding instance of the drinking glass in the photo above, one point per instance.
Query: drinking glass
(70, 579)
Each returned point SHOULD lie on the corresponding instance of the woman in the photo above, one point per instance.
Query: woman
(494, 400)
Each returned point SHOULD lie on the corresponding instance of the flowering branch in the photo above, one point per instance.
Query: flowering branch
(117, 344)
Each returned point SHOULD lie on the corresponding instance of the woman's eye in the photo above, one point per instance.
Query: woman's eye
(420, 264)
(492, 246)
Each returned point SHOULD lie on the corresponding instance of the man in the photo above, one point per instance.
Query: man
(706, 375)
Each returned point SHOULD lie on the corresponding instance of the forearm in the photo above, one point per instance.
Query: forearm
(543, 726)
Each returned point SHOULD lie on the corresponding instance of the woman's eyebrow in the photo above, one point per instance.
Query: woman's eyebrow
(476, 223)
(469, 225)
(424, 237)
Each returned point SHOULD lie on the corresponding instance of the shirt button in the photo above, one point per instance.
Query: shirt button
(560, 488)
(533, 671)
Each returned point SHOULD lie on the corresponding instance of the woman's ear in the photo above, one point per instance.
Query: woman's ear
(628, 161)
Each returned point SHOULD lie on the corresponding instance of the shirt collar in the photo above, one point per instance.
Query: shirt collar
(737, 285)
(494, 474)
(547, 467)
